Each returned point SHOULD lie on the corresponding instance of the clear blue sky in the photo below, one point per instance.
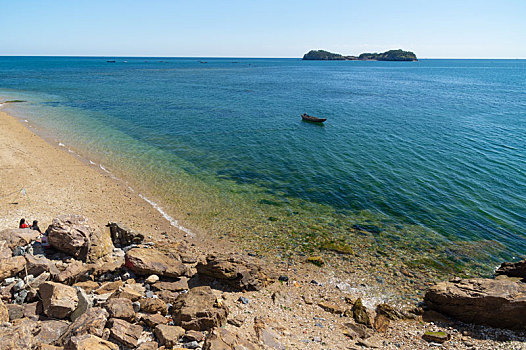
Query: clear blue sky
(264, 28)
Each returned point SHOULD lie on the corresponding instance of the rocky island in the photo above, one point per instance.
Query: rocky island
(391, 55)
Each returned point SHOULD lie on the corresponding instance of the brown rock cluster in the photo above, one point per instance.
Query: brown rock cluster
(85, 294)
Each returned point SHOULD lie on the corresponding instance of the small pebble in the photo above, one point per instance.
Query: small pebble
(243, 300)
(283, 278)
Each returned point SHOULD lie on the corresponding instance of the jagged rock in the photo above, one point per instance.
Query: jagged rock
(38, 264)
(152, 320)
(199, 310)
(74, 272)
(125, 332)
(356, 330)
(108, 264)
(88, 286)
(238, 274)
(381, 323)
(35, 284)
(18, 336)
(89, 342)
(145, 261)
(332, 308)
(149, 345)
(121, 308)
(108, 287)
(18, 237)
(167, 296)
(177, 286)
(122, 236)
(33, 309)
(92, 322)
(4, 312)
(153, 305)
(58, 300)
(389, 312)
(221, 339)
(194, 336)
(168, 335)
(5, 251)
(266, 335)
(361, 314)
(373, 342)
(49, 347)
(51, 331)
(73, 235)
(516, 269)
(15, 311)
(127, 292)
(85, 302)
(497, 303)
(11, 266)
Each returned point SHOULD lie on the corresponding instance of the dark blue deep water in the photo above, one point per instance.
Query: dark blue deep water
(434, 149)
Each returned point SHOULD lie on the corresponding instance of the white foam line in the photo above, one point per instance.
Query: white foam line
(103, 168)
(1, 104)
(61, 144)
(26, 121)
(131, 189)
(70, 151)
(92, 162)
(171, 220)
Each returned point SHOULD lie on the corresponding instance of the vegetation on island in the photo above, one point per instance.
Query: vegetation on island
(391, 55)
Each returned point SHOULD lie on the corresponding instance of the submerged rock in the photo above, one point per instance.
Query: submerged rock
(497, 303)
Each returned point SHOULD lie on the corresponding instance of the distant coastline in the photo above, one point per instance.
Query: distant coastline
(391, 55)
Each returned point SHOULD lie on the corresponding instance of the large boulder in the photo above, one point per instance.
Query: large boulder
(74, 235)
(145, 261)
(58, 300)
(199, 310)
(18, 237)
(92, 322)
(221, 339)
(516, 269)
(497, 303)
(123, 236)
(11, 266)
(234, 272)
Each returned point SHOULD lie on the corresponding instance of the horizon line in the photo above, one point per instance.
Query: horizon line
(256, 57)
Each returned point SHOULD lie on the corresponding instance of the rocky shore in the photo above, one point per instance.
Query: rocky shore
(115, 288)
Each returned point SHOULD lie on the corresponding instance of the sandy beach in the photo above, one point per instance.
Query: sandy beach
(40, 180)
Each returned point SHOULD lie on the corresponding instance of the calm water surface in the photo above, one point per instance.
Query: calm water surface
(418, 160)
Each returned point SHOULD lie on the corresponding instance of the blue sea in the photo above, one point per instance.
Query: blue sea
(420, 162)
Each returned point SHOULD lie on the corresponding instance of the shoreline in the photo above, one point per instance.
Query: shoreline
(381, 278)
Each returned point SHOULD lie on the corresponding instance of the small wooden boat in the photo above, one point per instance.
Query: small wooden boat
(310, 118)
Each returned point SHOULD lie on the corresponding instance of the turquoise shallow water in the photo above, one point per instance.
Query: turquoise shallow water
(431, 151)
